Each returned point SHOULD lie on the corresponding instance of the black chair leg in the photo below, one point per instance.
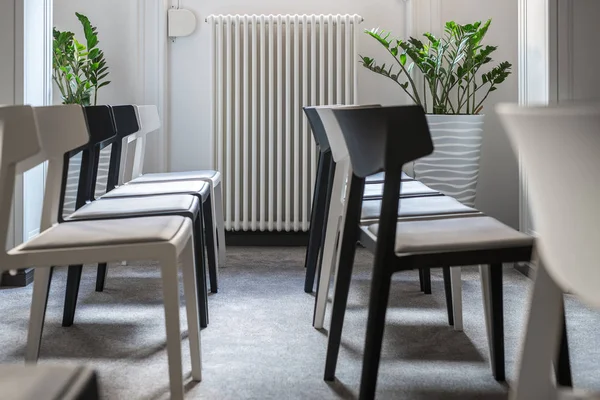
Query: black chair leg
(343, 279)
(340, 301)
(317, 221)
(201, 283)
(378, 303)
(421, 280)
(497, 316)
(209, 235)
(426, 280)
(101, 276)
(563, 366)
(448, 292)
(73, 281)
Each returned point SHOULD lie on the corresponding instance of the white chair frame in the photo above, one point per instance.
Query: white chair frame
(62, 128)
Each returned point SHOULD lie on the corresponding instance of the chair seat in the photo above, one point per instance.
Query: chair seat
(380, 177)
(150, 205)
(47, 382)
(108, 232)
(409, 188)
(418, 206)
(204, 175)
(161, 188)
(454, 234)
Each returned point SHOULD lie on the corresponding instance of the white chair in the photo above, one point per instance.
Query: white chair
(166, 239)
(417, 201)
(102, 121)
(566, 222)
(132, 174)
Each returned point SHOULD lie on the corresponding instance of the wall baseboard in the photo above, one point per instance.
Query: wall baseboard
(267, 239)
(23, 278)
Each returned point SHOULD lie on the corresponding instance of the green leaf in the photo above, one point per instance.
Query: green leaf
(403, 58)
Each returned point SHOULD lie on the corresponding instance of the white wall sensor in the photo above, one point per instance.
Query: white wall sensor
(181, 22)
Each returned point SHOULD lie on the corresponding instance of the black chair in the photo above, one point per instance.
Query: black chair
(109, 125)
(322, 199)
(384, 139)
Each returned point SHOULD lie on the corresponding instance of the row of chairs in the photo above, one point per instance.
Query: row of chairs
(404, 232)
(162, 217)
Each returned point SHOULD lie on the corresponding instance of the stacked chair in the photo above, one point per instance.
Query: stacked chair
(384, 139)
(36, 382)
(133, 174)
(567, 229)
(322, 197)
(167, 239)
(189, 199)
(419, 201)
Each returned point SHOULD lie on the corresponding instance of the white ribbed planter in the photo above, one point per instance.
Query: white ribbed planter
(453, 167)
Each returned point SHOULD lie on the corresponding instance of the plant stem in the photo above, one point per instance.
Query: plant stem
(425, 93)
(410, 80)
(484, 97)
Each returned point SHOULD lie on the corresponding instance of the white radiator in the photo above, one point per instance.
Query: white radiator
(265, 68)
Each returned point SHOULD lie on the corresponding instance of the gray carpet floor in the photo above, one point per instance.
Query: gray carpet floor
(260, 343)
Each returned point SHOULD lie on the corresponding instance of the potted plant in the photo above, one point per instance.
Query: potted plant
(79, 70)
(455, 81)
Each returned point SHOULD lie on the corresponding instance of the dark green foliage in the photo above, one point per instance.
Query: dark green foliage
(79, 70)
(450, 67)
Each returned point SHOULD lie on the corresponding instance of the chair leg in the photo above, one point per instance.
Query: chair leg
(192, 307)
(422, 288)
(541, 340)
(497, 320)
(316, 224)
(345, 264)
(101, 276)
(71, 293)
(329, 249)
(171, 300)
(220, 221)
(378, 303)
(340, 301)
(456, 284)
(39, 303)
(200, 265)
(426, 280)
(563, 364)
(209, 234)
(484, 271)
(448, 293)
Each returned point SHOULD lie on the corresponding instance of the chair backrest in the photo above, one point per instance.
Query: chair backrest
(19, 143)
(81, 184)
(563, 200)
(317, 128)
(149, 122)
(61, 129)
(331, 128)
(127, 124)
(382, 139)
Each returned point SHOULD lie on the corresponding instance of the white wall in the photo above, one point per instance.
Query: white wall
(189, 97)
(117, 32)
(189, 75)
(7, 48)
(498, 188)
(7, 75)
